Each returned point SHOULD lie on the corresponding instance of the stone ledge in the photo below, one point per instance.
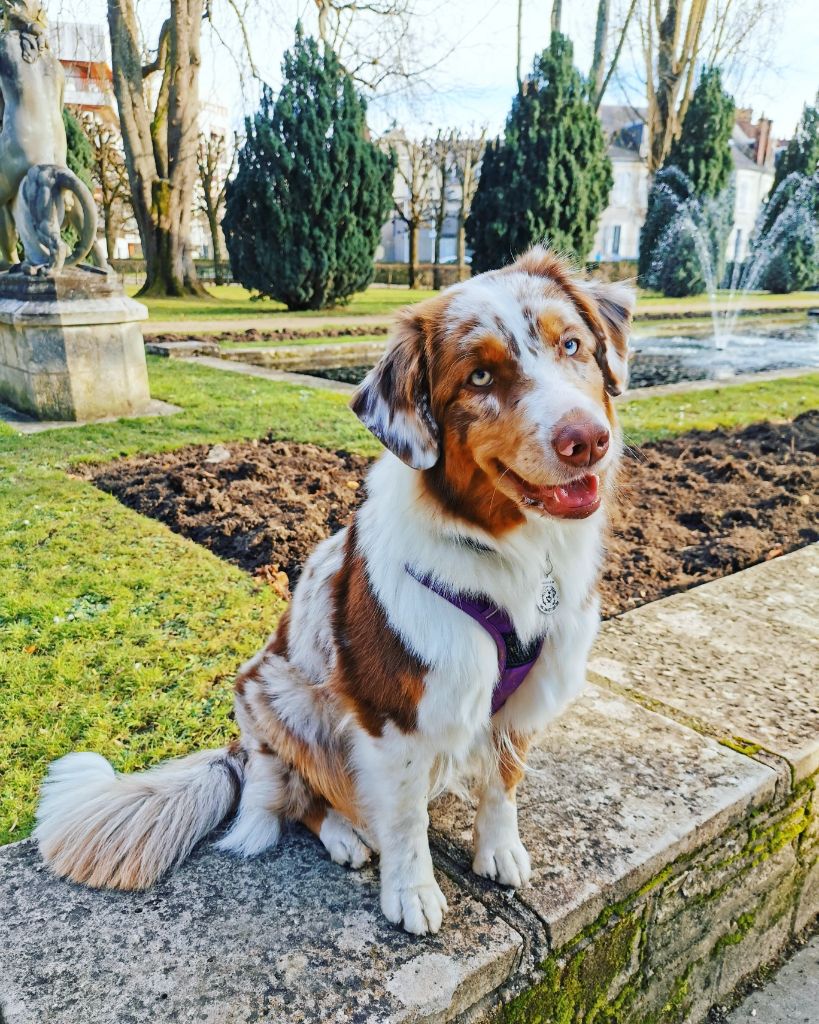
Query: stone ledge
(666, 866)
(283, 376)
(736, 658)
(181, 349)
(73, 297)
(341, 352)
(24, 424)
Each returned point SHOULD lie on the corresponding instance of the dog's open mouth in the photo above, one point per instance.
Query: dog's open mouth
(574, 500)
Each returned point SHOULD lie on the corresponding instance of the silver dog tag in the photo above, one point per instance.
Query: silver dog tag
(549, 598)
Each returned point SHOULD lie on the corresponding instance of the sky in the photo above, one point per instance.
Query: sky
(470, 47)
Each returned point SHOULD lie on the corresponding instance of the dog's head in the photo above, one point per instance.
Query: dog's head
(501, 387)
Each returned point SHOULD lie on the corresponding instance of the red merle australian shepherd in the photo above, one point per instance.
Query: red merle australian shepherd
(431, 639)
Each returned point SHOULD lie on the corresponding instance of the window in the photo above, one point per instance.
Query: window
(615, 240)
(738, 245)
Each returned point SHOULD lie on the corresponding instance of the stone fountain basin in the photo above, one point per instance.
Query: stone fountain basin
(656, 359)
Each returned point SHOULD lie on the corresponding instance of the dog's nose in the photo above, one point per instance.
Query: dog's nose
(580, 442)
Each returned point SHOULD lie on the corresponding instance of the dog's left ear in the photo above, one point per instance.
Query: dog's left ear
(393, 400)
(615, 307)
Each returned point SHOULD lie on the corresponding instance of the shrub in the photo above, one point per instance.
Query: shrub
(786, 243)
(690, 205)
(549, 178)
(304, 213)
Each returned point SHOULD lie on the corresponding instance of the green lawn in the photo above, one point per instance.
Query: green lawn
(118, 636)
(754, 300)
(231, 301)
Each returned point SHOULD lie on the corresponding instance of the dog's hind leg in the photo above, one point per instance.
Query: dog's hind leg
(337, 835)
(257, 824)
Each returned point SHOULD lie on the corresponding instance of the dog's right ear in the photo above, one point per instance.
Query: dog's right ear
(393, 400)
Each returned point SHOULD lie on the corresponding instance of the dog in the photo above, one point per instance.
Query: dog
(431, 639)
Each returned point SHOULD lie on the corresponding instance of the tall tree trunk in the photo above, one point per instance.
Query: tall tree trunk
(557, 10)
(109, 228)
(671, 84)
(436, 260)
(160, 145)
(460, 244)
(520, 44)
(598, 68)
(213, 224)
(414, 232)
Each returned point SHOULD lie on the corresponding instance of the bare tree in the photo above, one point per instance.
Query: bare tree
(519, 64)
(676, 38)
(378, 41)
(467, 153)
(557, 12)
(110, 176)
(599, 76)
(441, 164)
(159, 132)
(415, 166)
(214, 174)
(671, 43)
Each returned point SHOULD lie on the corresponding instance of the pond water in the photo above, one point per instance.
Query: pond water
(668, 360)
(659, 360)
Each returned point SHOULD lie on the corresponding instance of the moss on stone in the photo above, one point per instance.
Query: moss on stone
(770, 837)
(740, 745)
(745, 923)
(591, 980)
(577, 983)
(591, 983)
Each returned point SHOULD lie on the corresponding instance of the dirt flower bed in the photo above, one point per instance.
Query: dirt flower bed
(274, 334)
(690, 509)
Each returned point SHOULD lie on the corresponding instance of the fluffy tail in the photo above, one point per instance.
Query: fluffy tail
(115, 831)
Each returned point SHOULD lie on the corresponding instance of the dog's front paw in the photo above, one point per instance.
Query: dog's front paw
(507, 863)
(420, 908)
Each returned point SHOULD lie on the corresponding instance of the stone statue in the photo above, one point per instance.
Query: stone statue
(38, 192)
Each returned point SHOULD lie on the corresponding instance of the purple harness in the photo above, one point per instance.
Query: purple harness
(515, 659)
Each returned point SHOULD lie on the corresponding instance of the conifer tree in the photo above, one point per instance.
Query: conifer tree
(801, 155)
(702, 151)
(549, 177)
(690, 204)
(80, 157)
(304, 212)
(787, 243)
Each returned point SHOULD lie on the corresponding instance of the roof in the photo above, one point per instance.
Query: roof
(616, 116)
(743, 155)
(743, 162)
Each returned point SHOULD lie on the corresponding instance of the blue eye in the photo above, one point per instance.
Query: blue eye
(571, 346)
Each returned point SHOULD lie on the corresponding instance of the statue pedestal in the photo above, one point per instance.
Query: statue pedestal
(71, 346)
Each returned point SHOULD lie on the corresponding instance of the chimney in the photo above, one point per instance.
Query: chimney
(744, 117)
(763, 142)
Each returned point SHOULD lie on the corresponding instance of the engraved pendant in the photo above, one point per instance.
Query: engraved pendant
(549, 598)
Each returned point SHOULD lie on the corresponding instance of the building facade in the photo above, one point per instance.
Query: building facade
(424, 182)
(84, 52)
(618, 234)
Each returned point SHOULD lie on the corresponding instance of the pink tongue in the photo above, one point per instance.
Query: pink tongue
(577, 494)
